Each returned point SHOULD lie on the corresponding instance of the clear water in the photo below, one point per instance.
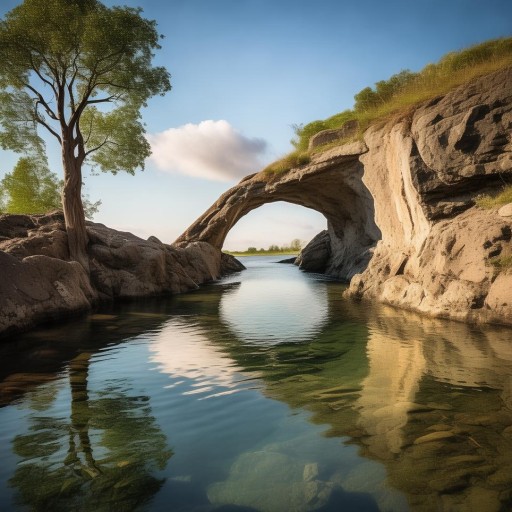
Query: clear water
(266, 391)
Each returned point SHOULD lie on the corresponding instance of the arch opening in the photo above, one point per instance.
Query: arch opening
(334, 189)
(274, 224)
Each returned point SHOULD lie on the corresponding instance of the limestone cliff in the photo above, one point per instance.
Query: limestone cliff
(424, 173)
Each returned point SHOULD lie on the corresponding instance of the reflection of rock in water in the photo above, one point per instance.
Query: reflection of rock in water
(423, 373)
(396, 368)
(432, 401)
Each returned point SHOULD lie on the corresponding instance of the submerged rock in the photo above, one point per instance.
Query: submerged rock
(271, 482)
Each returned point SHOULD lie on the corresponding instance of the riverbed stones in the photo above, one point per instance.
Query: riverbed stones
(271, 482)
(434, 436)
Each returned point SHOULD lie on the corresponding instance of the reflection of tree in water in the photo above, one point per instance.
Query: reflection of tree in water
(101, 459)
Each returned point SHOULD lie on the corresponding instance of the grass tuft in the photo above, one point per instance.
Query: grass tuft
(290, 161)
(503, 263)
(488, 201)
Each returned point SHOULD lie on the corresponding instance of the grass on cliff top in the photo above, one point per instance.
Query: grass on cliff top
(488, 202)
(396, 96)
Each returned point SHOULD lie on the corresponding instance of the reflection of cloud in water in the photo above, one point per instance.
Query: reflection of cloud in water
(184, 352)
(275, 310)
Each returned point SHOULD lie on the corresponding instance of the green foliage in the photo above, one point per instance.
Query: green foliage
(293, 248)
(82, 71)
(384, 90)
(504, 197)
(32, 188)
(406, 89)
(290, 161)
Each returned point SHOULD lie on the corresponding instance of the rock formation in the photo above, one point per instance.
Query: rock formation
(331, 184)
(424, 173)
(39, 283)
(403, 227)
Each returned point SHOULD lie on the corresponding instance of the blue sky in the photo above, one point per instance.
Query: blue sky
(244, 71)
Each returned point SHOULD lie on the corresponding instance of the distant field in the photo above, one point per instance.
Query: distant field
(262, 253)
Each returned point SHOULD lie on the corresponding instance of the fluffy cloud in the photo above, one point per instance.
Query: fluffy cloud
(211, 149)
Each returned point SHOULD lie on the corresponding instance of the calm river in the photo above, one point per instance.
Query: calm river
(266, 391)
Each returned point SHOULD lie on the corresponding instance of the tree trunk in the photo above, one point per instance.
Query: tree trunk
(74, 215)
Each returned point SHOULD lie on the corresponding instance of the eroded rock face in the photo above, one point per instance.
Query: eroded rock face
(39, 283)
(315, 256)
(40, 288)
(424, 174)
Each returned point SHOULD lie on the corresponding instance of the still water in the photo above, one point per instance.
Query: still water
(266, 391)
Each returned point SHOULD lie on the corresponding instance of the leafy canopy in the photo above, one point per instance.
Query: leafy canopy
(82, 71)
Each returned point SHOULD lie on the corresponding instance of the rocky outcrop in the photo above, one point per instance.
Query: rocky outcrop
(348, 130)
(402, 223)
(330, 184)
(39, 283)
(424, 173)
(315, 256)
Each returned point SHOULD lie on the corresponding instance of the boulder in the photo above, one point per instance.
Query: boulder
(315, 256)
(40, 284)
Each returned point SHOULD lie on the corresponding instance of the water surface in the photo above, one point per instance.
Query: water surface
(264, 391)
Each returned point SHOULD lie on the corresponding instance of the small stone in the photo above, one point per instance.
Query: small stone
(463, 459)
(481, 499)
(310, 472)
(507, 432)
(505, 211)
(440, 407)
(438, 427)
(434, 436)
(448, 484)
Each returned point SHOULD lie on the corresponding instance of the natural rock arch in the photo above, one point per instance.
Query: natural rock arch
(331, 184)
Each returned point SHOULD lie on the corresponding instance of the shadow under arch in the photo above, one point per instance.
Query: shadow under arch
(332, 186)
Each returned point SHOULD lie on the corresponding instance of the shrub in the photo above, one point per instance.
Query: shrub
(406, 89)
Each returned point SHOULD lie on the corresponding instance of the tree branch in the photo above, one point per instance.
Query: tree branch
(42, 122)
(42, 101)
(106, 141)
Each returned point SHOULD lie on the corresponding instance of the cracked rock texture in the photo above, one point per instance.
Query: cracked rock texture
(39, 283)
(424, 173)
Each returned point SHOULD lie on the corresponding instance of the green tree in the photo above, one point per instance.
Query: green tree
(32, 188)
(82, 72)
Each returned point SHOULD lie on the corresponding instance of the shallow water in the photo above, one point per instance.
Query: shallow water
(265, 391)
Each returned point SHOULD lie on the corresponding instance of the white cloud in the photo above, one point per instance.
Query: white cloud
(211, 149)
